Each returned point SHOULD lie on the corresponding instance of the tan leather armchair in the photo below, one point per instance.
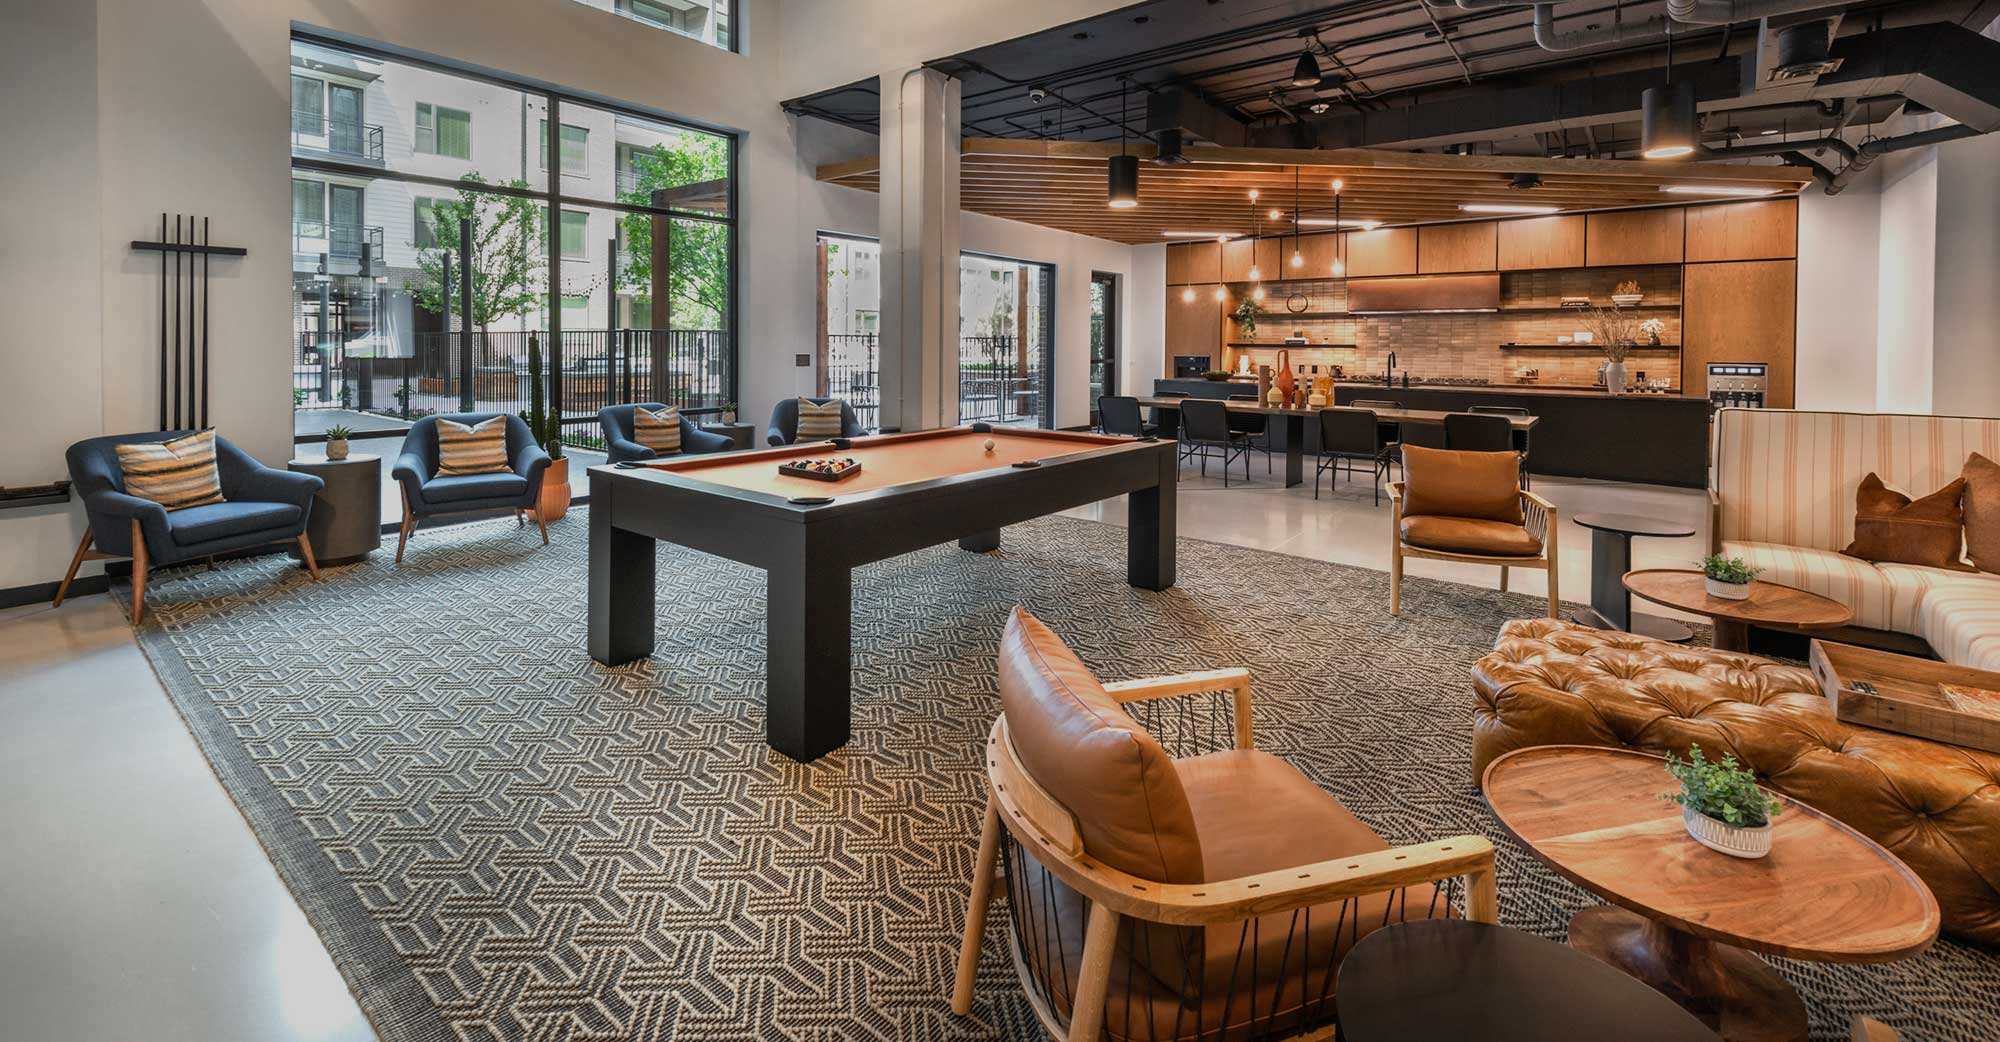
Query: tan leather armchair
(1469, 507)
(1201, 898)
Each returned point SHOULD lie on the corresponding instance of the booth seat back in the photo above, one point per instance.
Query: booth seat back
(1786, 476)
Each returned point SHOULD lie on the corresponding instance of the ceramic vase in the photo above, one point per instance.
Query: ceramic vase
(554, 500)
(1614, 377)
(1729, 839)
(1726, 591)
(1286, 384)
(336, 448)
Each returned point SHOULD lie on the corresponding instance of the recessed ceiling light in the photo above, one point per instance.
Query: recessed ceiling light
(1507, 208)
(1767, 133)
(1717, 190)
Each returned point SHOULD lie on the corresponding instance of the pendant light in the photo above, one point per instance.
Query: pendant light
(1298, 255)
(1122, 170)
(1256, 233)
(1306, 72)
(1221, 294)
(1667, 116)
(1339, 235)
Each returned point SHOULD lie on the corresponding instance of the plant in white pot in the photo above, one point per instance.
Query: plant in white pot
(336, 441)
(1727, 577)
(1721, 804)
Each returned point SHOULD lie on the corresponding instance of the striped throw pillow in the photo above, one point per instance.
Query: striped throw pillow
(480, 449)
(176, 474)
(818, 421)
(659, 431)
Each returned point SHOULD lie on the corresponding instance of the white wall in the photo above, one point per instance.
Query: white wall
(1965, 351)
(1907, 267)
(1838, 272)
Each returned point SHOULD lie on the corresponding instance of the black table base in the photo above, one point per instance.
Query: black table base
(1610, 558)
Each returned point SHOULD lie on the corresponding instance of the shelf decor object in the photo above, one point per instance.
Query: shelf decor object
(185, 318)
(34, 495)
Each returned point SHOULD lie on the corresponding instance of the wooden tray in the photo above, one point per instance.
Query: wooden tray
(798, 469)
(1901, 694)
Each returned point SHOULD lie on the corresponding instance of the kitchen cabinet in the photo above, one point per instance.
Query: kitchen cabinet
(1541, 242)
(1633, 237)
(1238, 257)
(1763, 229)
(1740, 311)
(1189, 262)
(1194, 327)
(1384, 251)
(1449, 248)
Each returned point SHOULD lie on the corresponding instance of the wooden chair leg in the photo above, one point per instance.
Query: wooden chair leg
(403, 532)
(975, 913)
(211, 563)
(544, 522)
(75, 562)
(1093, 976)
(1555, 592)
(306, 551)
(1396, 580)
(1503, 578)
(138, 573)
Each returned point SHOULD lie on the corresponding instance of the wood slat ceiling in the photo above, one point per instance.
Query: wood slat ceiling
(1061, 184)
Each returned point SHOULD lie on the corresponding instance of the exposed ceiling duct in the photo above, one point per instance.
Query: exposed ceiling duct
(1177, 109)
(1618, 31)
(1946, 67)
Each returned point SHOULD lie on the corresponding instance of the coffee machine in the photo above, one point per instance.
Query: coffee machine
(1190, 367)
(1739, 385)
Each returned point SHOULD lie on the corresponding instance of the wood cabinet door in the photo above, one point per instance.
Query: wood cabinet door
(1189, 262)
(1194, 327)
(1271, 258)
(1740, 311)
(1317, 253)
(1634, 237)
(1238, 255)
(1541, 242)
(1384, 251)
(1763, 229)
(1446, 248)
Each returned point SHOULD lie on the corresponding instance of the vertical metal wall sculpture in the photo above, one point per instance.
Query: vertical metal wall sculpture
(185, 318)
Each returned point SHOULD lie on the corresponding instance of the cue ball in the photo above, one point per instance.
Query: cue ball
(989, 444)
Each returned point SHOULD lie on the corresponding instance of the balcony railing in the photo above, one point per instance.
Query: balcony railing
(337, 241)
(344, 139)
(992, 383)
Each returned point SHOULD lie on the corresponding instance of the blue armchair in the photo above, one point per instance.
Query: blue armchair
(620, 448)
(785, 421)
(260, 506)
(425, 494)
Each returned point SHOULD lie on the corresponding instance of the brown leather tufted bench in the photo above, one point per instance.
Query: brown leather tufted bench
(1936, 806)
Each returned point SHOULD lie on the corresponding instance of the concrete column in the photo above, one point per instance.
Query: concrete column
(920, 235)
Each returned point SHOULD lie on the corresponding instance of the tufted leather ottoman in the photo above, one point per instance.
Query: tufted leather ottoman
(1935, 806)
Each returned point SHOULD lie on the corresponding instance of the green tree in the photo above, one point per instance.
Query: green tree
(506, 254)
(697, 283)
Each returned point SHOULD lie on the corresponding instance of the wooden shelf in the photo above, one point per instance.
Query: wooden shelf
(12, 503)
(1282, 347)
(1585, 311)
(1585, 347)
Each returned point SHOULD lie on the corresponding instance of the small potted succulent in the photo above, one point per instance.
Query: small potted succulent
(1721, 805)
(1727, 577)
(336, 441)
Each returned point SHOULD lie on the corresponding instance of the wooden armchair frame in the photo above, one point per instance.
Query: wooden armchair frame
(1049, 833)
(1538, 517)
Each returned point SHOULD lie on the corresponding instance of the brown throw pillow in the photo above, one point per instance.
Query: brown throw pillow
(1982, 512)
(1447, 483)
(1890, 528)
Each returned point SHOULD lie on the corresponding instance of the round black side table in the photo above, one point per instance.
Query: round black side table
(346, 521)
(1454, 980)
(1610, 558)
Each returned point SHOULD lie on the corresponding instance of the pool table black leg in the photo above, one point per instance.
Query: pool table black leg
(981, 542)
(620, 596)
(1150, 531)
(808, 628)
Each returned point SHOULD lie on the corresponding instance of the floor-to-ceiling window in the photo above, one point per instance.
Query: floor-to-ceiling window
(1006, 312)
(1103, 338)
(849, 348)
(434, 238)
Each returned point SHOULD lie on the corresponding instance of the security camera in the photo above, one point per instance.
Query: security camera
(1037, 95)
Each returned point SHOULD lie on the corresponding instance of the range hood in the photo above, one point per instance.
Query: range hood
(1424, 294)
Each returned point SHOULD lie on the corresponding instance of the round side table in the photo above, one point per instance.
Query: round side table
(346, 522)
(1610, 558)
(1454, 980)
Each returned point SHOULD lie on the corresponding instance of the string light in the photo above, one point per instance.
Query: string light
(1188, 294)
(1340, 241)
(1253, 195)
(1298, 256)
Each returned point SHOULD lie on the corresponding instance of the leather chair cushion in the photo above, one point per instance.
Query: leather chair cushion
(1082, 747)
(1255, 814)
(203, 524)
(1465, 535)
(1462, 484)
(1935, 806)
(474, 486)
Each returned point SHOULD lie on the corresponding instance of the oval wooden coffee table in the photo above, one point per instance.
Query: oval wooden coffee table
(1688, 917)
(1769, 604)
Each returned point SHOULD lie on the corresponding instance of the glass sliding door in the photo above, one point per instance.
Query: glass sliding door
(1005, 341)
(849, 351)
(1103, 339)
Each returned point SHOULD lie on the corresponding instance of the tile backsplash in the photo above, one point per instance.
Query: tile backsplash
(1469, 345)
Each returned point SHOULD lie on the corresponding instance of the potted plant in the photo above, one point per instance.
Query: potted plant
(1246, 316)
(547, 430)
(336, 441)
(1627, 294)
(1721, 805)
(1653, 327)
(1727, 577)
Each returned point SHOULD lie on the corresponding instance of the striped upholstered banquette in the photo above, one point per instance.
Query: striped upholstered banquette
(1784, 484)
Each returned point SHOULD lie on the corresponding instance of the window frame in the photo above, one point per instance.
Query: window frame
(583, 163)
(436, 113)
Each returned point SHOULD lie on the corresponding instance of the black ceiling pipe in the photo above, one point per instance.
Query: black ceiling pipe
(1884, 145)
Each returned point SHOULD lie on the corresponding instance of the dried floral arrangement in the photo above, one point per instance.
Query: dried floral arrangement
(1628, 288)
(1615, 330)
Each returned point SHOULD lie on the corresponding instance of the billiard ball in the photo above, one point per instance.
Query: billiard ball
(989, 444)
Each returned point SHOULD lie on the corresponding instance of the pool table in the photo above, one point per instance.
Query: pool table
(913, 490)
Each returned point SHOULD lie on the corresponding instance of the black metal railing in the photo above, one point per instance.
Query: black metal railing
(347, 139)
(339, 240)
(996, 382)
(684, 367)
(853, 372)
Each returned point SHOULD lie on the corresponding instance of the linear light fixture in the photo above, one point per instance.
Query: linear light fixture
(1717, 190)
(1201, 235)
(1507, 208)
(1335, 222)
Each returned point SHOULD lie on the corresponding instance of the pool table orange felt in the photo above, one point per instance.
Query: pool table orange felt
(886, 460)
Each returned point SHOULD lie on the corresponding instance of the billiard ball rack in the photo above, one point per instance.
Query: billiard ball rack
(825, 469)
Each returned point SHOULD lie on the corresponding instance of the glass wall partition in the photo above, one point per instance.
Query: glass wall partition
(432, 243)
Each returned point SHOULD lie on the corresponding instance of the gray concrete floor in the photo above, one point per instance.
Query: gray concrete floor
(135, 902)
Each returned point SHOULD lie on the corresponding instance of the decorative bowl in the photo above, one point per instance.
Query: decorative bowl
(1726, 591)
(1726, 838)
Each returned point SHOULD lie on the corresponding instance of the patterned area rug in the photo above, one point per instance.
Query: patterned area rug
(499, 840)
